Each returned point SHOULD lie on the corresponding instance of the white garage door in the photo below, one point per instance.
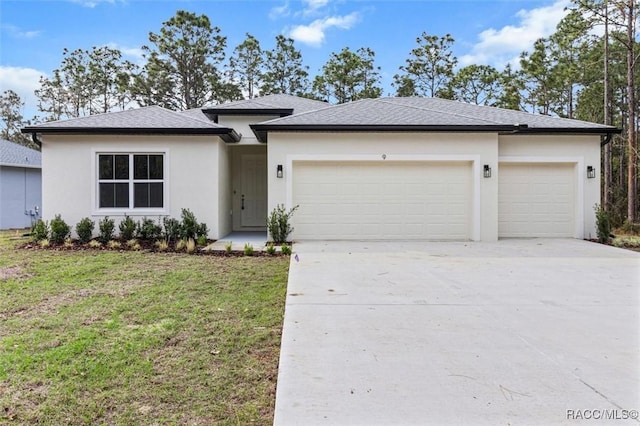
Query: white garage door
(536, 200)
(382, 200)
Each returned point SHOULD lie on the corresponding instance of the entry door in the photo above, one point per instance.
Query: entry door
(253, 207)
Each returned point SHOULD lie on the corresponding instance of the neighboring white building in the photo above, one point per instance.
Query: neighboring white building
(20, 185)
(388, 168)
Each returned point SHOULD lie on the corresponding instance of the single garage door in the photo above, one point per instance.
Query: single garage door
(382, 200)
(536, 200)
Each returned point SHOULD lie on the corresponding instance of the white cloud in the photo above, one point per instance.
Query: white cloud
(16, 32)
(23, 81)
(502, 46)
(134, 54)
(91, 3)
(312, 6)
(280, 11)
(314, 33)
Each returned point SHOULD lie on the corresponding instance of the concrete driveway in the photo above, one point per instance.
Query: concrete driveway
(518, 332)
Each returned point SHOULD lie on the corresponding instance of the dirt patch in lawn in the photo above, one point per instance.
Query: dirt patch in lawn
(9, 272)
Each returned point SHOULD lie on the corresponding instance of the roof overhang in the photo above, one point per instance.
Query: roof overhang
(21, 166)
(214, 113)
(261, 130)
(226, 134)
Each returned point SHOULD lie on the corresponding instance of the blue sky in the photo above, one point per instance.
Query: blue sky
(33, 33)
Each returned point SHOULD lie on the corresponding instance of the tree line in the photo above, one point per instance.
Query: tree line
(585, 70)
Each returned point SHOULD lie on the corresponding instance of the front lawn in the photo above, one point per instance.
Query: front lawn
(127, 338)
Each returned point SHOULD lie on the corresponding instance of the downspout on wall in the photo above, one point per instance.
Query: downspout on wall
(606, 139)
(36, 140)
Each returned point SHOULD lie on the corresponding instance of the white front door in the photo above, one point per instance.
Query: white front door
(253, 191)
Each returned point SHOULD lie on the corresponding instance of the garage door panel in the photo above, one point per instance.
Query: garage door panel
(536, 200)
(382, 200)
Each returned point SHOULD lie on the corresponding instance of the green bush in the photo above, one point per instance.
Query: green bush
(603, 224)
(189, 227)
(148, 230)
(203, 230)
(106, 227)
(59, 230)
(202, 240)
(127, 228)
(271, 249)
(171, 229)
(84, 229)
(40, 230)
(248, 249)
(278, 223)
(286, 249)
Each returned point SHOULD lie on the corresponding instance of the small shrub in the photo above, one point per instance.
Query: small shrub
(180, 245)
(603, 225)
(228, 246)
(84, 229)
(68, 243)
(95, 244)
(114, 245)
(248, 249)
(44, 243)
(148, 230)
(59, 230)
(133, 244)
(203, 230)
(189, 225)
(171, 229)
(40, 230)
(202, 240)
(191, 246)
(286, 249)
(162, 245)
(271, 249)
(278, 223)
(106, 227)
(127, 228)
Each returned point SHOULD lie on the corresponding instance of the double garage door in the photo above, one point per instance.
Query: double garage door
(386, 200)
(383, 200)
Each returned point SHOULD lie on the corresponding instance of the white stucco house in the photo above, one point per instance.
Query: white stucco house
(20, 185)
(388, 168)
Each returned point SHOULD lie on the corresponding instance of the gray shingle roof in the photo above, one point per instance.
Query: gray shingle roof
(196, 113)
(147, 118)
(427, 112)
(17, 155)
(269, 102)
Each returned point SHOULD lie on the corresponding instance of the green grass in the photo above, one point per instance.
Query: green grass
(103, 337)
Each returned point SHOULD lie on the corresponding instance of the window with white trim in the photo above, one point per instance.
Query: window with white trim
(130, 181)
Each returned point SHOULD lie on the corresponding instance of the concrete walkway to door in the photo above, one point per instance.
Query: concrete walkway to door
(520, 332)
